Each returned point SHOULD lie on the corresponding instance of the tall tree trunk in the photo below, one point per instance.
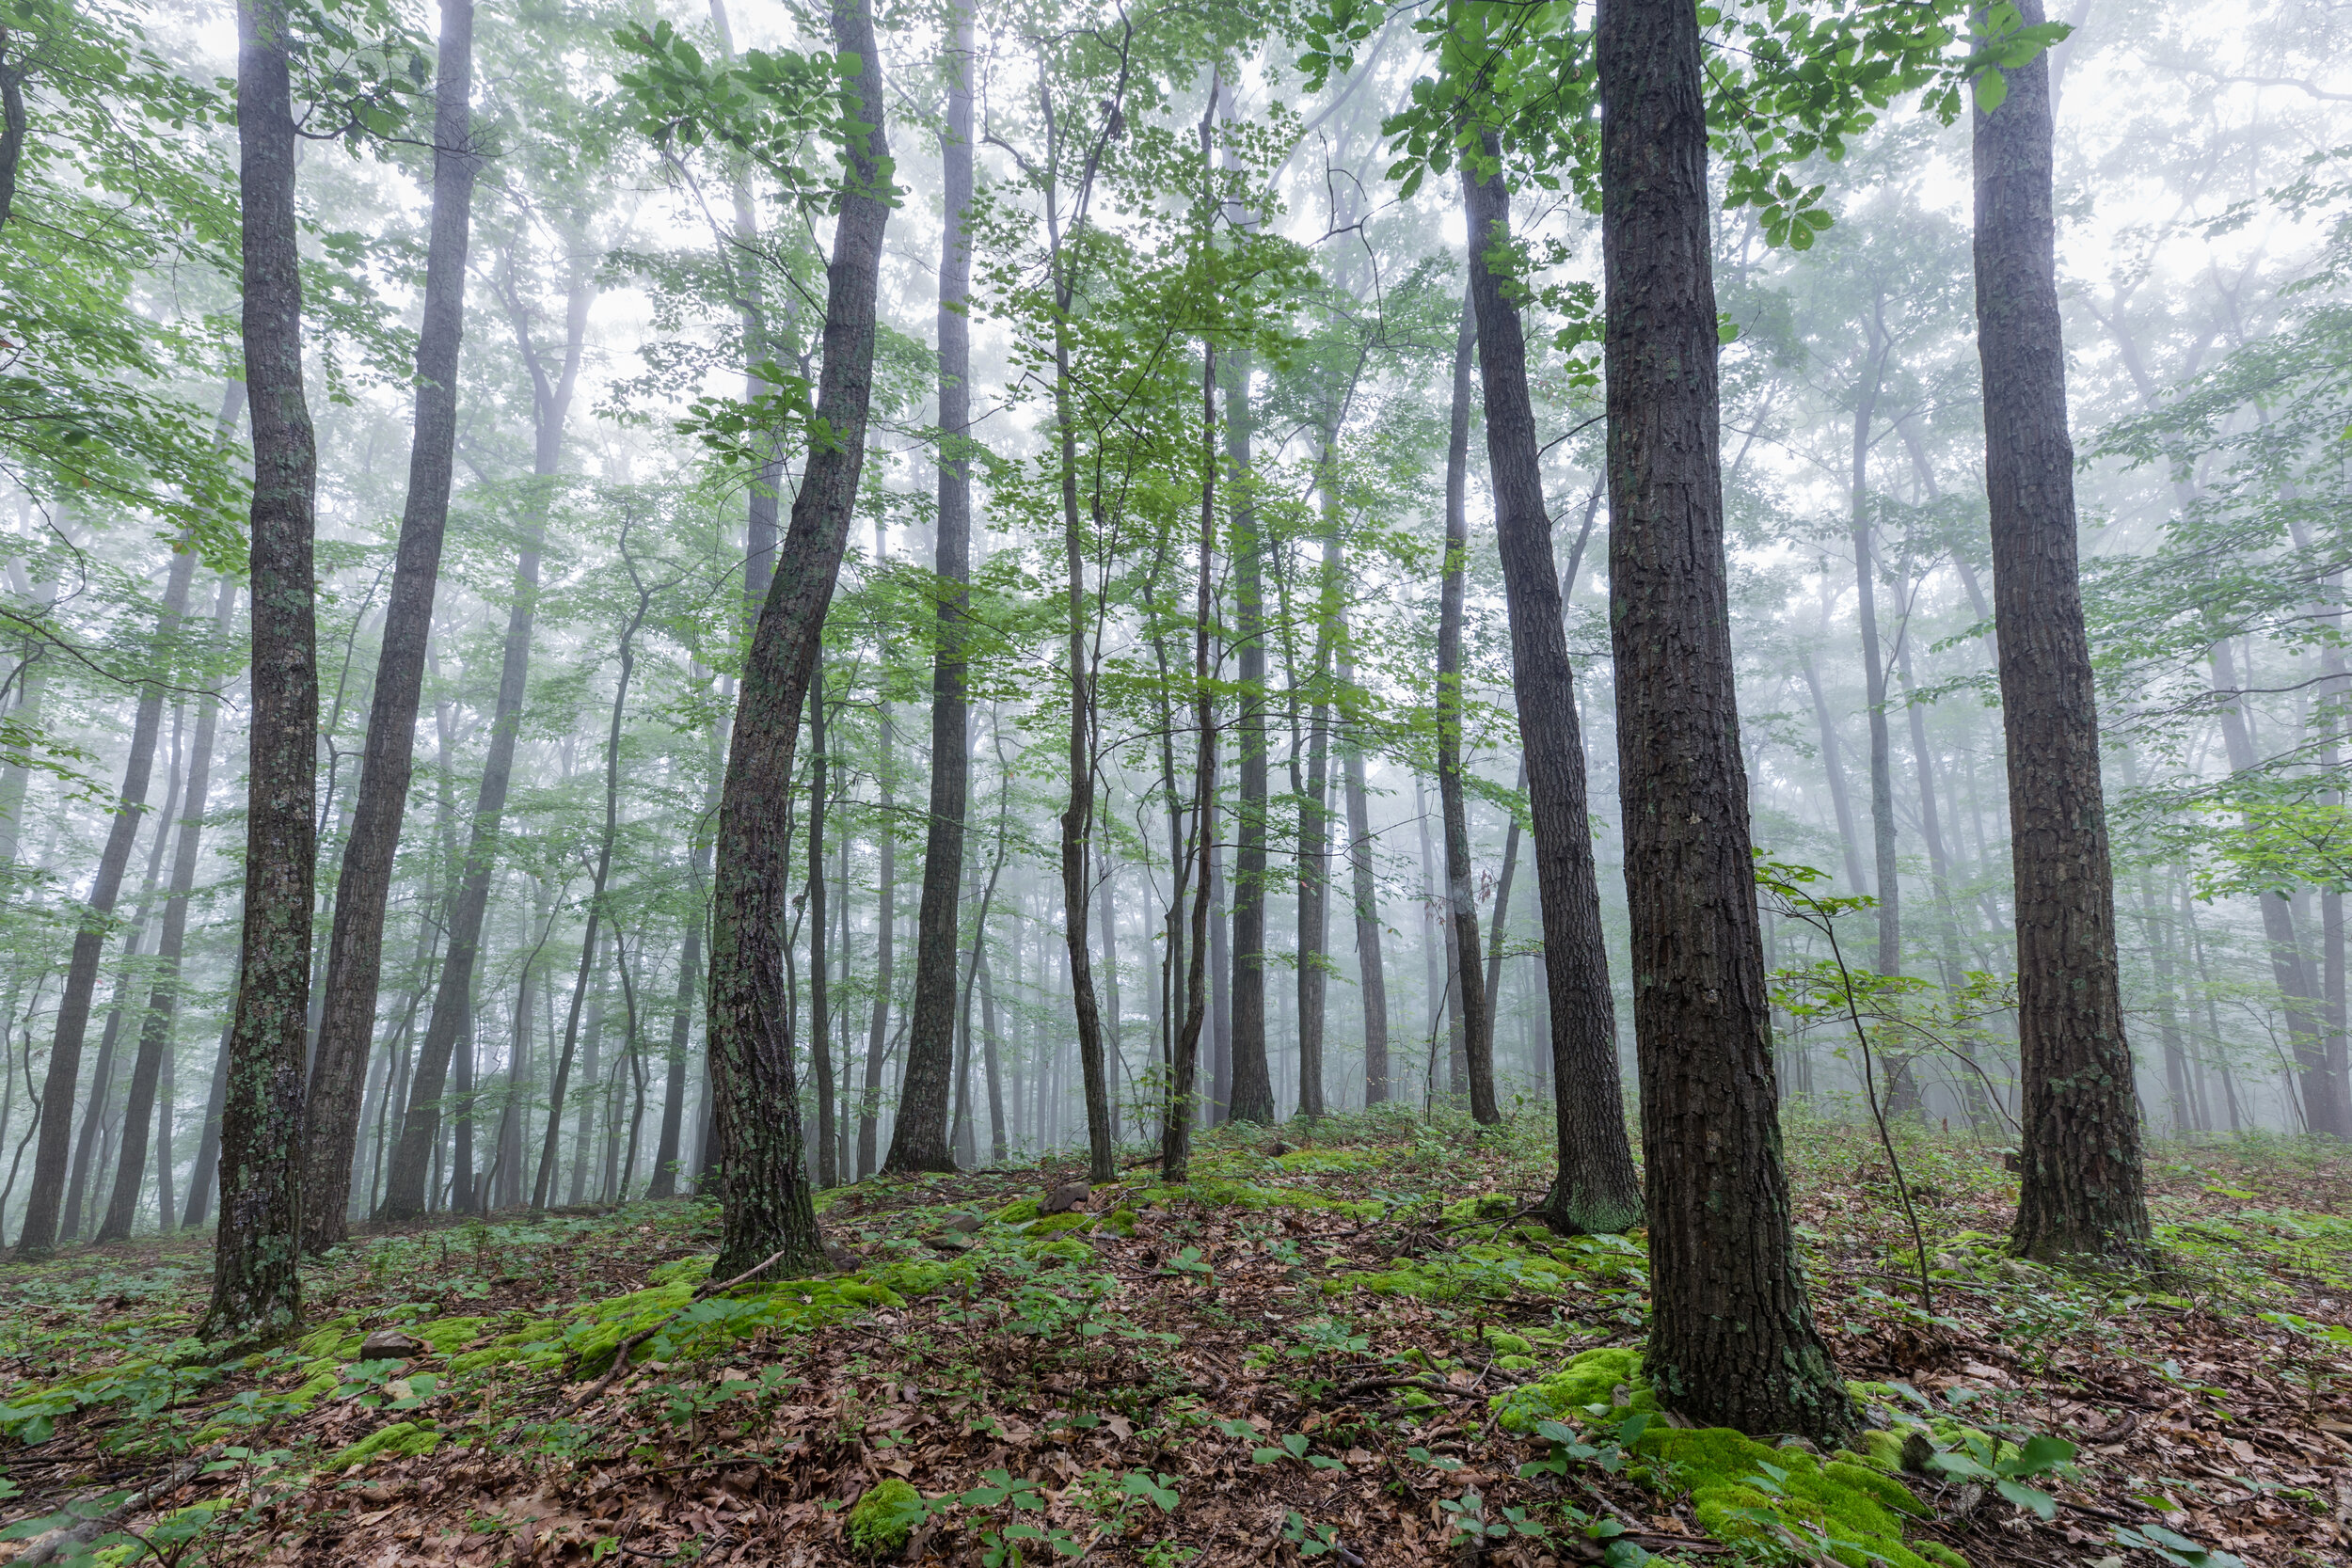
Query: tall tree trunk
(1732, 1340)
(1596, 1189)
(2083, 1191)
(989, 1065)
(665, 1153)
(1315, 807)
(1251, 1088)
(163, 1003)
(1468, 980)
(923, 1105)
(1176, 1123)
(1364, 892)
(1834, 766)
(767, 1210)
(257, 1291)
(354, 954)
(1971, 1088)
(767, 487)
(551, 387)
(1890, 951)
(204, 1175)
(1106, 911)
(820, 963)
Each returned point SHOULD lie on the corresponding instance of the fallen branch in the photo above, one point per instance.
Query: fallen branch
(47, 1548)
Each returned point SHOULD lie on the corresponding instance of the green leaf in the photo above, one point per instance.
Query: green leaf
(1991, 89)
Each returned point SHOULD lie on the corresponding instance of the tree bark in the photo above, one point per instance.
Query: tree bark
(1364, 891)
(1596, 1189)
(405, 1195)
(1251, 1088)
(767, 1210)
(819, 961)
(924, 1100)
(257, 1292)
(355, 953)
(1732, 1340)
(163, 1003)
(1461, 898)
(1834, 766)
(1890, 911)
(2083, 1191)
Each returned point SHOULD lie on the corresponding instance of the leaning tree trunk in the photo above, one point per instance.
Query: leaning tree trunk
(163, 1003)
(355, 952)
(257, 1291)
(551, 389)
(1732, 1340)
(1596, 1189)
(767, 1207)
(1461, 900)
(922, 1125)
(2083, 1191)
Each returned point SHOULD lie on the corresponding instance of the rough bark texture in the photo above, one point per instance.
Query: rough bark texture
(2083, 1190)
(1732, 1340)
(1461, 898)
(767, 1209)
(1251, 1088)
(163, 1003)
(257, 1291)
(1596, 1189)
(404, 1194)
(922, 1125)
(355, 953)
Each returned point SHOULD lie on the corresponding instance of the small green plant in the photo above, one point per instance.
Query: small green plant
(1469, 1513)
(2174, 1548)
(1980, 1461)
(1311, 1540)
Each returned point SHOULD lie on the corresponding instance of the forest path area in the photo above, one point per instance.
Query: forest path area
(1345, 1347)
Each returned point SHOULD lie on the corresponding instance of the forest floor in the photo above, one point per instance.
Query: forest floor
(1341, 1347)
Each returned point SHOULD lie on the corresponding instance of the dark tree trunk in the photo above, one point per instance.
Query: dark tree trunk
(1596, 1189)
(665, 1153)
(1468, 980)
(354, 954)
(1732, 1340)
(1176, 1123)
(257, 1292)
(1251, 1088)
(923, 1101)
(1314, 806)
(2083, 1192)
(39, 1232)
(163, 1003)
(405, 1195)
(204, 1175)
(1364, 894)
(819, 961)
(767, 1208)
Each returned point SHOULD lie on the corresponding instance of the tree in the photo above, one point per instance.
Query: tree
(354, 956)
(1732, 1340)
(257, 1289)
(2083, 1191)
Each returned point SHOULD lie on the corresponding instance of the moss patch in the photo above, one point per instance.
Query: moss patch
(884, 1517)
(401, 1440)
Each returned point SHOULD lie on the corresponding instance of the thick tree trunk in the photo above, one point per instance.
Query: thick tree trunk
(1461, 898)
(2083, 1190)
(1251, 1088)
(405, 1195)
(163, 1003)
(1596, 1189)
(766, 1204)
(354, 954)
(924, 1102)
(1732, 1340)
(257, 1292)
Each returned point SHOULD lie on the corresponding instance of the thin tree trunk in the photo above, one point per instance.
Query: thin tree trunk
(923, 1105)
(163, 1003)
(766, 1201)
(1176, 1124)
(453, 1002)
(819, 964)
(1890, 911)
(1467, 979)
(1364, 889)
(2083, 1191)
(1732, 1340)
(257, 1292)
(204, 1175)
(767, 487)
(355, 954)
(1834, 766)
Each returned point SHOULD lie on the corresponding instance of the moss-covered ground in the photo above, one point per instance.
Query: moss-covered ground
(1349, 1346)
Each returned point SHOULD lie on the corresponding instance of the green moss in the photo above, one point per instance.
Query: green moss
(1120, 1222)
(1075, 1219)
(1065, 1248)
(1219, 1192)
(1310, 1161)
(1570, 1394)
(401, 1439)
(330, 1338)
(682, 1270)
(1486, 1206)
(1019, 1211)
(1503, 1342)
(883, 1519)
(1516, 1363)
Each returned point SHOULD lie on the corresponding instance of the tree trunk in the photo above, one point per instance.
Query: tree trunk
(665, 1153)
(2083, 1190)
(257, 1292)
(163, 1003)
(355, 954)
(767, 486)
(204, 1175)
(766, 1206)
(1834, 766)
(1732, 1340)
(453, 1002)
(1364, 889)
(1890, 953)
(1596, 1189)
(1251, 1090)
(924, 1102)
(819, 961)
(1176, 1123)
(1467, 979)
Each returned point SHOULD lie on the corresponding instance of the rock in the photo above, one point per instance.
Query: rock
(953, 1240)
(392, 1344)
(1277, 1149)
(843, 1258)
(1060, 1201)
(968, 1223)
